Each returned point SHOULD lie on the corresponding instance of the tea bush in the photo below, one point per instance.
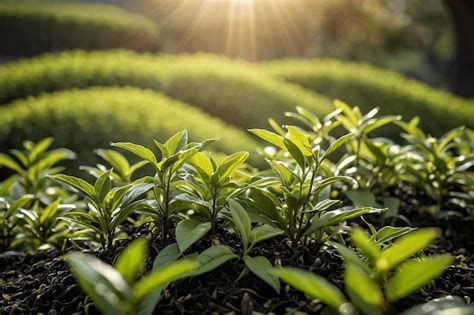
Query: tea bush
(234, 91)
(88, 119)
(368, 86)
(31, 28)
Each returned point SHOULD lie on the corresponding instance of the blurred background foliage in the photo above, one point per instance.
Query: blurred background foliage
(414, 37)
(410, 36)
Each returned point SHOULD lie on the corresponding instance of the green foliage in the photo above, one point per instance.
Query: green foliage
(236, 92)
(44, 227)
(35, 163)
(117, 290)
(295, 198)
(89, 119)
(250, 237)
(174, 153)
(9, 220)
(367, 86)
(208, 184)
(32, 28)
(108, 206)
(372, 287)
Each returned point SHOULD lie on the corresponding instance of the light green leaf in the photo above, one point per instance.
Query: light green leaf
(350, 257)
(405, 247)
(189, 231)
(132, 260)
(299, 139)
(415, 274)
(202, 163)
(367, 246)
(264, 270)
(295, 153)
(213, 257)
(76, 183)
(230, 164)
(177, 142)
(270, 137)
(100, 281)
(138, 150)
(312, 285)
(163, 276)
(49, 212)
(363, 290)
(10, 163)
(116, 160)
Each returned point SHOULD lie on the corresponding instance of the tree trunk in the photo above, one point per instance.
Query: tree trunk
(462, 71)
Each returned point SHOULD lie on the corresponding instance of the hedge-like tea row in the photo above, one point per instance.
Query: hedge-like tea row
(234, 91)
(31, 28)
(367, 86)
(87, 119)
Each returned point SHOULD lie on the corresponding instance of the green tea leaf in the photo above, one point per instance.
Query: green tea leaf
(76, 183)
(230, 164)
(177, 142)
(100, 281)
(189, 231)
(363, 290)
(213, 257)
(263, 232)
(334, 217)
(299, 139)
(264, 270)
(102, 186)
(336, 145)
(132, 260)
(295, 152)
(163, 276)
(241, 220)
(388, 233)
(415, 274)
(312, 285)
(270, 137)
(405, 247)
(368, 246)
(138, 150)
(167, 255)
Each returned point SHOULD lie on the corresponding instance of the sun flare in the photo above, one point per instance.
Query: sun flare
(241, 28)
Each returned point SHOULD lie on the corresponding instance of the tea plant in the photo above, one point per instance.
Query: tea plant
(175, 152)
(35, 163)
(249, 236)
(122, 169)
(44, 227)
(297, 201)
(107, 207)
(207, 184)
(121, 289)
(434, 167)
(9, 220)
(382, 277)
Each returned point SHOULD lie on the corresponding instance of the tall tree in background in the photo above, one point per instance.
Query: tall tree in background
(462, 76)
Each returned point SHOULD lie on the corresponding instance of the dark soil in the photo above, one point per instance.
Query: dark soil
(42, 283)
